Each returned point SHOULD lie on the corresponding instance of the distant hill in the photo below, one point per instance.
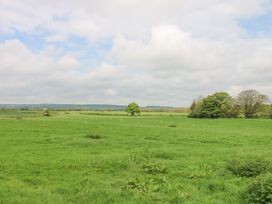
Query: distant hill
(77, 106)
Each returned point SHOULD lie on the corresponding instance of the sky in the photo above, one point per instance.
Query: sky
(155, 52)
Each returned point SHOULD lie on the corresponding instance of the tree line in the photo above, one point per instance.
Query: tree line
(248, 103)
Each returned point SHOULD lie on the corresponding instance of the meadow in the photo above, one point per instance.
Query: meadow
(109, 157)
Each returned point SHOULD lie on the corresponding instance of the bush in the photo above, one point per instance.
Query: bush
(260, 191)
(248, 167)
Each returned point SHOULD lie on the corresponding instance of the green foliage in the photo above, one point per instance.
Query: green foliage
(250, 103)
(249, 167)
(196, 109)
(265, 112)
(46, 112)
(260, 191)
(270, 111)
(154, 169)
(218, 105)
(133, 109)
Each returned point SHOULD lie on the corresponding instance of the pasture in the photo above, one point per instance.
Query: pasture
(85, 157)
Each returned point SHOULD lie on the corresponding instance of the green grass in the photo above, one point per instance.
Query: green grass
(79, 158)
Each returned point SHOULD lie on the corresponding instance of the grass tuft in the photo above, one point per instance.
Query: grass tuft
(93, 136)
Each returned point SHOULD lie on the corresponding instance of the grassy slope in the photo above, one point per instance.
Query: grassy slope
(49, 160)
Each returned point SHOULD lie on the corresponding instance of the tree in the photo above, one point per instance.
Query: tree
(218, 105)
(133, 109)
(250, 102)
(46, 112)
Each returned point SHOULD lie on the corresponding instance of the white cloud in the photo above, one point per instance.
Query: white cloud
(110, 92)
(96, 20)
(175, 62)
(164, 52)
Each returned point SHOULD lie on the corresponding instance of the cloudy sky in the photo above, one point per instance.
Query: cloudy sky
(154, 52)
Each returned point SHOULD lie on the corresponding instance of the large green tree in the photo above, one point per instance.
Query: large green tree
(133, 109)
(218, 105)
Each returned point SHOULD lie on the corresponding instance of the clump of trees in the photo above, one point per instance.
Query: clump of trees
(248, 103)
(133, 109)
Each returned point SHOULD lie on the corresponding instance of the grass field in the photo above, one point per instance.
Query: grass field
(89, 158)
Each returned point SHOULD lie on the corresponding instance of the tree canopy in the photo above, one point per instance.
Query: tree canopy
(250, 102)
(218, 105)
(133, 109)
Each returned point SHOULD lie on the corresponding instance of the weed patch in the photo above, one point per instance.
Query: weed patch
(260, 191)
(154, 169)
(250, 167)
(146, 185)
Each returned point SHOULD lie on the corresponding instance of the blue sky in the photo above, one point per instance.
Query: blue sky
(258, 25)
(155, 52)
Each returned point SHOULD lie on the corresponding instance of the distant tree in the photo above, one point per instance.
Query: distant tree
(46, 112)
(250, 102)
(133, 109)
(218, 105)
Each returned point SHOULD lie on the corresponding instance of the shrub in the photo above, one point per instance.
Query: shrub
(260, 191)
(154, 169)
(247, 167)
